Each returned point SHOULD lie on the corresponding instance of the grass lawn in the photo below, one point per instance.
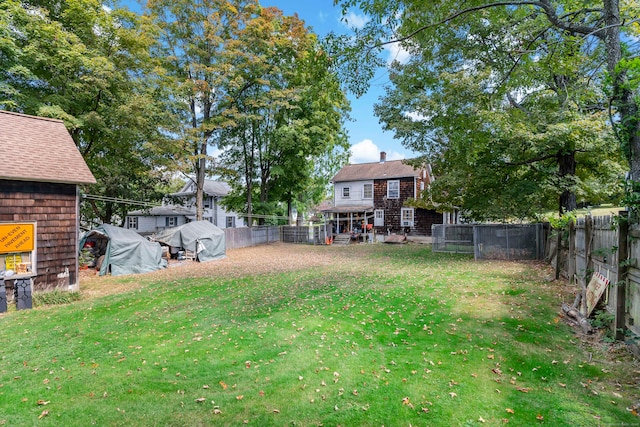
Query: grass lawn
(367, 335)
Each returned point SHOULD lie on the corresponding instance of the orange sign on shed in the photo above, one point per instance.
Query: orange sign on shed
(17, 237)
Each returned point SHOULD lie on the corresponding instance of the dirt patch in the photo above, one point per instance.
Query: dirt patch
(273, 258)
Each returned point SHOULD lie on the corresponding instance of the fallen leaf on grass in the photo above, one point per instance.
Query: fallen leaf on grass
(223, 385)
(217, 411)
(43, 414)
(523, 389)
(510, 411)
(239, 397)
(200, 399)
(481, 420)
(452, 394)
(42, 402)
(405, 401)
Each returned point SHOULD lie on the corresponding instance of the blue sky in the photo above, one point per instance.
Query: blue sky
(366, 136)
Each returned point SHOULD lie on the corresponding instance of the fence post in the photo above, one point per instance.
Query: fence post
(588, 244)
(571, 258)
(621, 285)
(558, 252)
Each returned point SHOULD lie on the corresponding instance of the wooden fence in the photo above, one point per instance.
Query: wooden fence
(251, 236)
(609, 246)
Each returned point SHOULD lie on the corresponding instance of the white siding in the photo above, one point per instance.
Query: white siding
(146, 224)
(356, 194)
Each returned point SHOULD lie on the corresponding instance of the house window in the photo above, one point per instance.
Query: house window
(171, 221)
(206, 203)
(393, 189)
(346, 192)
(407, 217)
(231, 222)
(378, 218)
(367, 192)
(132, 222)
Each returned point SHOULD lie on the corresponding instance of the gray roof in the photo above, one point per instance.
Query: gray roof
(39, 149)
(164, 210)
(386, 170)
(211, 188)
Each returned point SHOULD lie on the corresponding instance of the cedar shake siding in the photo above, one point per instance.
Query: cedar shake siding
(54, 207)
(423, 218)
(43, 169)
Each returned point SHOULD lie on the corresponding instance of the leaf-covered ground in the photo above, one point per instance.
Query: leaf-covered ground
(308, 336)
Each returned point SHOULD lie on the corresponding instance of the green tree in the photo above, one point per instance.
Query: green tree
(509, 91)
(289, 119)
(200, 48)
(89, 65)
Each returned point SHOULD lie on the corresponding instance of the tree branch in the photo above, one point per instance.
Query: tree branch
(545, 5)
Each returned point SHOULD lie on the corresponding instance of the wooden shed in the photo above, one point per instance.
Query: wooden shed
(40, 172)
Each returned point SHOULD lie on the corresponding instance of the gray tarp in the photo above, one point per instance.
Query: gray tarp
(200, 237)
(126, 251)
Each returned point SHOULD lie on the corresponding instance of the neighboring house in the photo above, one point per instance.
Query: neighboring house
(39, 184)
(376, 193)
(149, 221)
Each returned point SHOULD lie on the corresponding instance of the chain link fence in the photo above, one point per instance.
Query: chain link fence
(491, 241)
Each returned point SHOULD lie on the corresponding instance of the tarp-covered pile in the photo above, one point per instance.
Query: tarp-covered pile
(125, 251)
(200, 237)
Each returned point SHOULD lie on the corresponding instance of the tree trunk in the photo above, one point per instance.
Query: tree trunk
(623, 97)
(200, 175)
(567, 171)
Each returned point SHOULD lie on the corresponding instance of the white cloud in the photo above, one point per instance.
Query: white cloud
(397, 53)
(394, 155)
(366, 151)
(355, 21)
(416, 117)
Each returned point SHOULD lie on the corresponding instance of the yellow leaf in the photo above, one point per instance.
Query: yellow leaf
(42, 402)
(43, 414)
(510, 411)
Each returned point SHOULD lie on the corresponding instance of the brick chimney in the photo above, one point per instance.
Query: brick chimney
(383, 157)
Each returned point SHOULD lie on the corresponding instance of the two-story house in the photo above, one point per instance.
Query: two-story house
(374, 195)
(149, 221)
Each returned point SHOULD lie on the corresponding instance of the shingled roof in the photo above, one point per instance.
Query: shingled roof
(39, 149)
(379, 170)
